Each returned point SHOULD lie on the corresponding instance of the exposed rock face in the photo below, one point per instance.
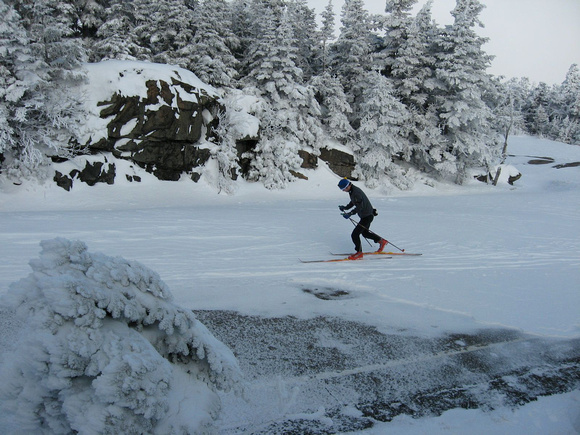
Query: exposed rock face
(339, 162)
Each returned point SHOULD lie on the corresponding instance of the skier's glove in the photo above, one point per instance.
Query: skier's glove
(342, 207)
(346, 215)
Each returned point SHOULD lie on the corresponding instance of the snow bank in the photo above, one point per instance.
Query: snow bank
(106, 343)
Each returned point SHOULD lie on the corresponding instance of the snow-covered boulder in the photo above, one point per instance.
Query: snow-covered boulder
(155, 115)
(108, 350)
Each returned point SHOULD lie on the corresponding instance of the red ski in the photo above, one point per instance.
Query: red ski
(336, 260)
(383, 253)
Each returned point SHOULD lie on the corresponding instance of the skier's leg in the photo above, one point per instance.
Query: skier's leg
(355, 236)
(366, 223)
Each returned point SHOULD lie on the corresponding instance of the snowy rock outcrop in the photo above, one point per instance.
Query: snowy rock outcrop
(154, 115)
(108, 351)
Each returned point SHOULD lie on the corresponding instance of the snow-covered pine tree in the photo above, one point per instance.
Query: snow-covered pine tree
(164, 27)
(382, 135)
(326, 36)
(44, 65)
(91, 16)
(541, 121)
(243, 27)
(115, 38)
(306, 35)
(352, 54)
(396, 25)
(334, 107)
(210, 53)
(413, 73)
(225, 152)
(413, 67)
(290, 117)
(536, 119)
(14, 50)
(569, 128)
(275, 159)
(466, 120)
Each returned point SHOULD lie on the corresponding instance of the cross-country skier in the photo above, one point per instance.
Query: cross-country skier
(366, 213)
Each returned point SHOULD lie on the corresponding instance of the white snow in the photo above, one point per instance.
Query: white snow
(505, 255)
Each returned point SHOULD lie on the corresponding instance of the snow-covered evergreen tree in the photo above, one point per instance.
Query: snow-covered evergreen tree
(244, 29)
(382, 133)
(396, 25)
(289, 120)
(326, 36)
(352, 53)
(334, 106)
(466, 120)
(225, 153)
(536, 119)
(541, 121)
(164, 27)
(413, 73)
(571, 93)
(43, 66)
(109, 350)
(14, 50)
(275, 159)
(569, 121)
(413, 67)
(306, 35)
(209, 54)
(115, 38)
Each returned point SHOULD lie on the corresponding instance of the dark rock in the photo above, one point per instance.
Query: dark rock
(541, 161)
(567, 165)
(94, 173)
(63, 181)
(514, 178)
(341, 163)
(309, 161)
(298, 175)
(168, 160)
(132, 178)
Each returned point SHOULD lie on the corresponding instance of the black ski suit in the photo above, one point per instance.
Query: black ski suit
(364, 209)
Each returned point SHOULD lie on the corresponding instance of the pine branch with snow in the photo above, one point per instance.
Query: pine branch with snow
(113, 347)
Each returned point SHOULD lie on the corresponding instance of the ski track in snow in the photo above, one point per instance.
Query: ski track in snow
(202, 252)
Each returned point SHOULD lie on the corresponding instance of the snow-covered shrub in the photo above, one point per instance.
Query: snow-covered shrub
(107, 351)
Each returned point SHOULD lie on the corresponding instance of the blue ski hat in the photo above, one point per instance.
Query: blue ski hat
(343, 184)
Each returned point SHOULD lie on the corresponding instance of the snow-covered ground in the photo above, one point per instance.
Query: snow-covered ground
(493, 257)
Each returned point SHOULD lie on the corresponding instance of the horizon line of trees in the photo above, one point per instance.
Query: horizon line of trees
(397, 89)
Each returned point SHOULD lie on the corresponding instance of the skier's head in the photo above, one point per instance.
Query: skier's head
(343, 184)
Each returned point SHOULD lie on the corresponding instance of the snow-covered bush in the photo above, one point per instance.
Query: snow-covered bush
(108, 351)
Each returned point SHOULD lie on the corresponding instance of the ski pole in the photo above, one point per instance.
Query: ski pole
(354, 223)
(357, 223)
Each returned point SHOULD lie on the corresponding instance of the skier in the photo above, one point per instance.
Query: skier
(366, 212)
